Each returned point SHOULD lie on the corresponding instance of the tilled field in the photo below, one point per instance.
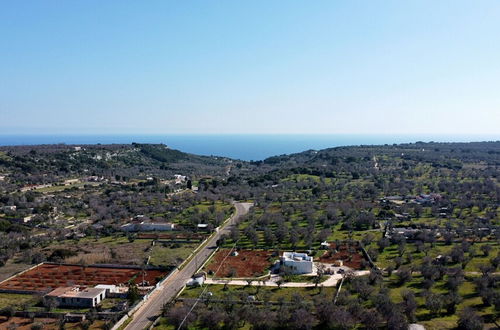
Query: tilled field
(248, 263)
(351, 256)
(50, 276)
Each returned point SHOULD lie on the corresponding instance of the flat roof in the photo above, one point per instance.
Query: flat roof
(75, 292)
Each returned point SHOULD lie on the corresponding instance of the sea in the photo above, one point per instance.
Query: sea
(244, 147)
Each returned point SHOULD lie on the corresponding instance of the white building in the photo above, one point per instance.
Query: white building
(325, 245)
(110, 288)
(148, 226)
(9, 208)
(179, 178)
(196, 280)
(114, 291)
(297, 263)
(202, 226)
(74, 297)
(71, 181)
(27, 218)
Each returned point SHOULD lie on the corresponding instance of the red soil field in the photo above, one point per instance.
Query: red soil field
(47, 277)
(351, 259)
(248, 263)
(22, 323)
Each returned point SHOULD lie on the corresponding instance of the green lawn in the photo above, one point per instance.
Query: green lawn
(15, 300)
(110, 302)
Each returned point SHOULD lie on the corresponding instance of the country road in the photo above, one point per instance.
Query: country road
(152, 307)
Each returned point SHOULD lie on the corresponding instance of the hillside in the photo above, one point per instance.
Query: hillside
(46, 163)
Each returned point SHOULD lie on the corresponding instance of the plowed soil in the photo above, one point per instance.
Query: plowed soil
(248, 263)
(47, 277)
(351, 259)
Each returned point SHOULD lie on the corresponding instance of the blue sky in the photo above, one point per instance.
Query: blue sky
(309, 67)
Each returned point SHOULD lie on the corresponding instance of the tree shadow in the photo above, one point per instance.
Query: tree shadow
(429, 316)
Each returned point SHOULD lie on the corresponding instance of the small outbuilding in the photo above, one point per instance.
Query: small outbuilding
(148, 226)
(197, 280)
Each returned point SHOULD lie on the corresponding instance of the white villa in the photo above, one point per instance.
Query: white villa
(298, 263)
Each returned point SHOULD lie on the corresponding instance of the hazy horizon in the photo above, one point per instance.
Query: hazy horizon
(240, 146)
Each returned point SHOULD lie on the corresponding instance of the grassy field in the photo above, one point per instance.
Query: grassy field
(11, 268)
(15, 300)
(205, 210)
(260, 292)
(105, 250)
(170, 255)
(387, 257)
(440, 320)
(58, 188)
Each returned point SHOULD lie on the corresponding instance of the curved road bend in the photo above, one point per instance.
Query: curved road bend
(151, 309)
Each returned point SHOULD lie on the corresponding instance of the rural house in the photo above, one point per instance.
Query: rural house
(75, 297)
(298, 263)
(148, 226)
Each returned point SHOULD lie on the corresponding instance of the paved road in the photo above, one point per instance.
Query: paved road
(152, 307)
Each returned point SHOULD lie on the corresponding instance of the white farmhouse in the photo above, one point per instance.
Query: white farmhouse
(148, 226)
(298, 263)
(74, 297)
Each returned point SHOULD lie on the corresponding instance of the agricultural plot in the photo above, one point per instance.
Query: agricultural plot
(10, 299)
(248, 263)
(107, 250)
(261, 293)
(49, 276)
(350, 255)
(170, 254)
(22, 323)
(204, 212)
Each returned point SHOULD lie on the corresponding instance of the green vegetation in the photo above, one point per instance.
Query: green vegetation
(170, 254)
(427, 214)
(15, 300)
(264, 293)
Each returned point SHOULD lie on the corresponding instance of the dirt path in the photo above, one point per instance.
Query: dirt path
(331, 281)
